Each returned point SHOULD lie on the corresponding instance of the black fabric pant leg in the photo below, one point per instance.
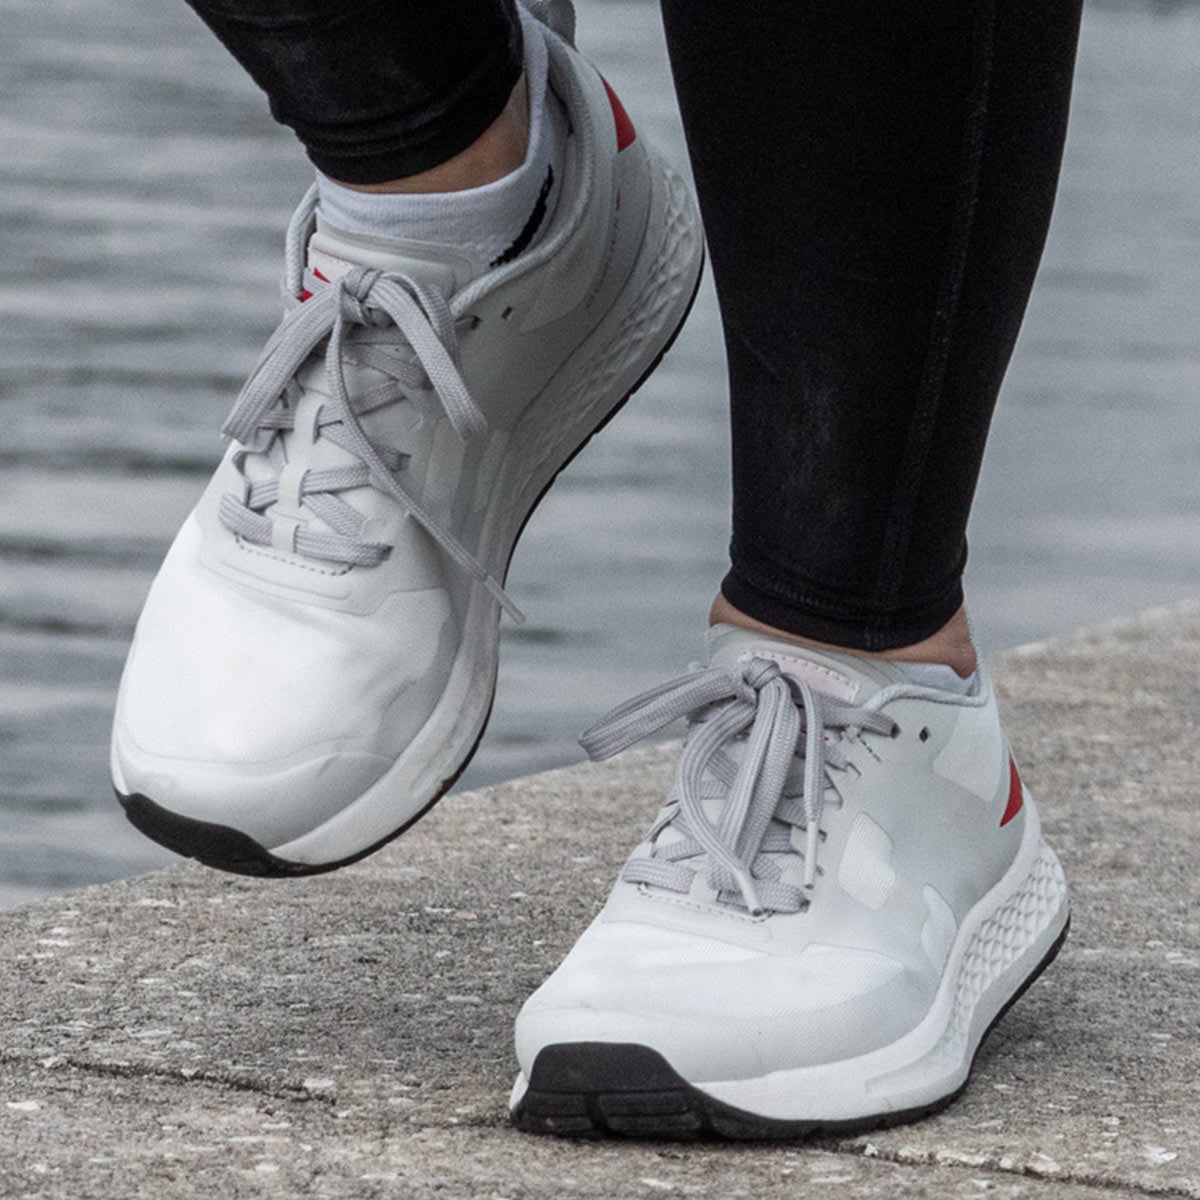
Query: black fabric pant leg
(876, 179)
(376, 89)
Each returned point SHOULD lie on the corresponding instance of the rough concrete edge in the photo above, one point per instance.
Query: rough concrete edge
(1117, 627)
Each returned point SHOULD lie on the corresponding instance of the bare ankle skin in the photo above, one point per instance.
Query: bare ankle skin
(498, 151)
(951, 644)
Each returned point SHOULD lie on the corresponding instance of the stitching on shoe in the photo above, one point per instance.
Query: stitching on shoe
(707, 909)
(302, 565)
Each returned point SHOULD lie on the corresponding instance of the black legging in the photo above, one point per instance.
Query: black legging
(876, 178)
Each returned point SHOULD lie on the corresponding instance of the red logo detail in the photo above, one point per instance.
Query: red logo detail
(306, 294)
(625, 130)
(1015, 794)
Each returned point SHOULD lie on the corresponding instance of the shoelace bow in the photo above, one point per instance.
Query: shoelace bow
(375, 305)
(759, 803)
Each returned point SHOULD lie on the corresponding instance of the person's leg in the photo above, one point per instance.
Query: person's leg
(848, 883)
(378, 91)
(421, 123)
(876, 179)
(316, 660)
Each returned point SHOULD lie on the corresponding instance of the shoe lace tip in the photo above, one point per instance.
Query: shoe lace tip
(812, 837)
(750, 897)
(472, 425)
(505, 601)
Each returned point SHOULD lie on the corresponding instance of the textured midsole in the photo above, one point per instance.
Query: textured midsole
(609, 366)
(1001, 943)
(594, 381)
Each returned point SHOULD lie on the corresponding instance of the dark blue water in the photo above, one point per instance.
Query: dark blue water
(145, 194)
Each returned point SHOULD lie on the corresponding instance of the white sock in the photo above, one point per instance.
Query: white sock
(938, 675)
(493, 223)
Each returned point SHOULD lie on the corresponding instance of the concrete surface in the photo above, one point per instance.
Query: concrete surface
(194, 1034)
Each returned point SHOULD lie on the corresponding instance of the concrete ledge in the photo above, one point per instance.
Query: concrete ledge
(190, 1034)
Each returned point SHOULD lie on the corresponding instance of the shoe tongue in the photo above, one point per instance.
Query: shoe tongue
(843, 676)
(335, 252)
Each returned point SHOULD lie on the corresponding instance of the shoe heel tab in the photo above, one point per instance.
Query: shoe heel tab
(556, 15)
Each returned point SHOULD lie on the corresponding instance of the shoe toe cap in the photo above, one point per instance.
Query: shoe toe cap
(228, 677)
(717, 1010)
(273, 803)
(270, 714)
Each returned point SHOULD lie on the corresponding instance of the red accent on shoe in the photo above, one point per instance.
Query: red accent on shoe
(306, 294)
(625, 130)
(1015, 793)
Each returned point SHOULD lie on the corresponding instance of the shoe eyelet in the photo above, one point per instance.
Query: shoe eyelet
(924, 735)
(895, 732)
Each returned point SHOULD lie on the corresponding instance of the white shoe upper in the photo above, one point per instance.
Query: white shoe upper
(330, 606)
(835, 835)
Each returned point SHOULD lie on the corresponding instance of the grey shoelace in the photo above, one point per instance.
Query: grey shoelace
(355, 317)
(779, 783)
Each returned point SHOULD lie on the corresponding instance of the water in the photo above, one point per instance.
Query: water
(140, 229)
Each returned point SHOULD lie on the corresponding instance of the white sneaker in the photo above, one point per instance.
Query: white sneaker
(824, 921)
(316, 660)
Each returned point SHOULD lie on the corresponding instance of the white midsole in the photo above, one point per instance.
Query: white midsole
(597, 378)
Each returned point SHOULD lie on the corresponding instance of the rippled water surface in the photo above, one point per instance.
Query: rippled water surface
(145, 194)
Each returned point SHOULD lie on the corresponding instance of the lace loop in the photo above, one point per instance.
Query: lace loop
(756, 708)
(363, 308)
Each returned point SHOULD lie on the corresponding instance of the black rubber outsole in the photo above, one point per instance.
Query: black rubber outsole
(227, 849)
(594, 1089)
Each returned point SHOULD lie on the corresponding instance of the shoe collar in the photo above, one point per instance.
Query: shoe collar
(842, 675)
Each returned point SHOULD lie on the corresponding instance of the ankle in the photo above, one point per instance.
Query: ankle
(951, 645)
(497, 152)
(491, 203)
